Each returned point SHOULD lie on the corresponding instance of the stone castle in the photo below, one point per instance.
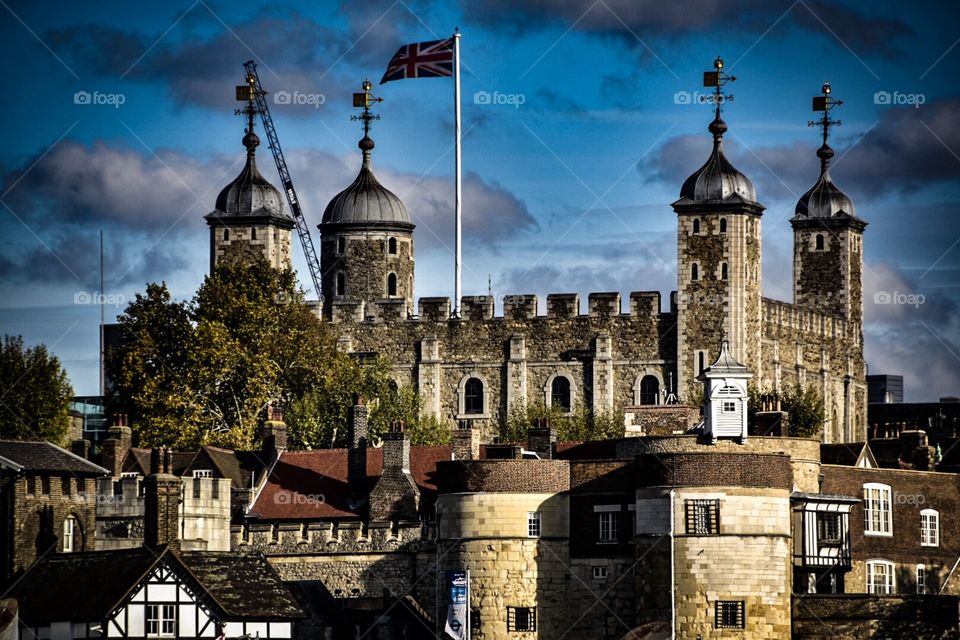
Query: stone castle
(478, 366)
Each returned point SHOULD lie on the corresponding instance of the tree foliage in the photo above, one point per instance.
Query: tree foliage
(803, 405)
(204, 371)
(34, 393)
(579, 425)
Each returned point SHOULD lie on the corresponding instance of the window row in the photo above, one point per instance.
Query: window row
(390, 245)
(878, 515)
(696, 226)
(695, 275)
(238, 234)
(390, 290)
(882, 578)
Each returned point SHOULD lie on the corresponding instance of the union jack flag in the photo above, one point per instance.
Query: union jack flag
(421, 60)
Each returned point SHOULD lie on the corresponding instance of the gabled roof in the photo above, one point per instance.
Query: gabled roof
(323, 472)
(236, 585)
(236, 466)
(851, 454)
(43, 456)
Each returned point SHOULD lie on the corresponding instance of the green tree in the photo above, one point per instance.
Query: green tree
(34, 393)
(579, 425)
(204, 371)
(802, 404)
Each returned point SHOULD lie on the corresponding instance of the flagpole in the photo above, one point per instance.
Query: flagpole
(457, 183)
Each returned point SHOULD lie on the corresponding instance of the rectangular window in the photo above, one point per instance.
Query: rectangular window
(45, 485)
(215, 489)
(32, 485)
(599, 573)
(196, 488)
(161, 620)
(921, 579)
(533, 524)
(929, 528)
(65, 486)
(877, 516)
(728, 614)
(702, 517)
(880, 577)
(828, 528)
(729, 406)
(608, 526)
(521, 618)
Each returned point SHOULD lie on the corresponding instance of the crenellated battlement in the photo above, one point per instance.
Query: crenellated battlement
(804, 320)
(517, 307)
(293, 538)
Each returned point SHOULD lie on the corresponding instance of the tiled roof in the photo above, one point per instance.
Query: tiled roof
(241, 585)
(300, 477)
(43, 456)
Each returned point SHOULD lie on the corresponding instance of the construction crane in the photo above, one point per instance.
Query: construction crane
(253, 92)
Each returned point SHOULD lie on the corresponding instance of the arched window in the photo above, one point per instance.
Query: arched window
(560, 393)
(694, 272)
(723, 271)
(69, 534)
(723, 225)
(392, 246)
(226, 235)
(473, 397)
(341, 245)
(696, 225)
(819, 242)
(253, 233)
(392, 284)
(341, 284)
(649, 390)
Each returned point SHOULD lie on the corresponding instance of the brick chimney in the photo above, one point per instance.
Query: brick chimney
(396, 496)
(466, 441)
(541, 439)
(357, 450)
(161, 525)
(113, 450)
(274, 434)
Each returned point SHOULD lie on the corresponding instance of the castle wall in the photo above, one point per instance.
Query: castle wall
(271, 241)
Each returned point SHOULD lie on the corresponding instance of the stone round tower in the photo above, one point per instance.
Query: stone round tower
(249, 217)
(366, 242)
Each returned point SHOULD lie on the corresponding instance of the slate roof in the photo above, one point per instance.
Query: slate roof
(237, 466)
(240, 586)
(43, 456)
(324, 472)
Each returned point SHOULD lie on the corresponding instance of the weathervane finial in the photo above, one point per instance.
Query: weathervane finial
(364, 100)
(248, 93)
(717, 79)
(825, 103)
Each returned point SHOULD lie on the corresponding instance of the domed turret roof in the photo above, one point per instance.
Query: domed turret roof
(250, 194)
(366, 202)
(825, 199)
(718, 180)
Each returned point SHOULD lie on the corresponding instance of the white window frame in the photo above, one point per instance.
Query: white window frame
(203, 473)
(929, 535)
(69, 534)
(534, 524)
(609, 522)
(877, 500)
(887, 574)
(921, 579)
(164, 619)
(600, 573)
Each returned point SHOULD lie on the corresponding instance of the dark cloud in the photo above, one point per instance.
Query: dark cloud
(633, 19)
(907, 149)
(294, 54)
(151, 205)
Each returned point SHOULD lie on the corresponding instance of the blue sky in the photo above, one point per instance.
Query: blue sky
(567, 182)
